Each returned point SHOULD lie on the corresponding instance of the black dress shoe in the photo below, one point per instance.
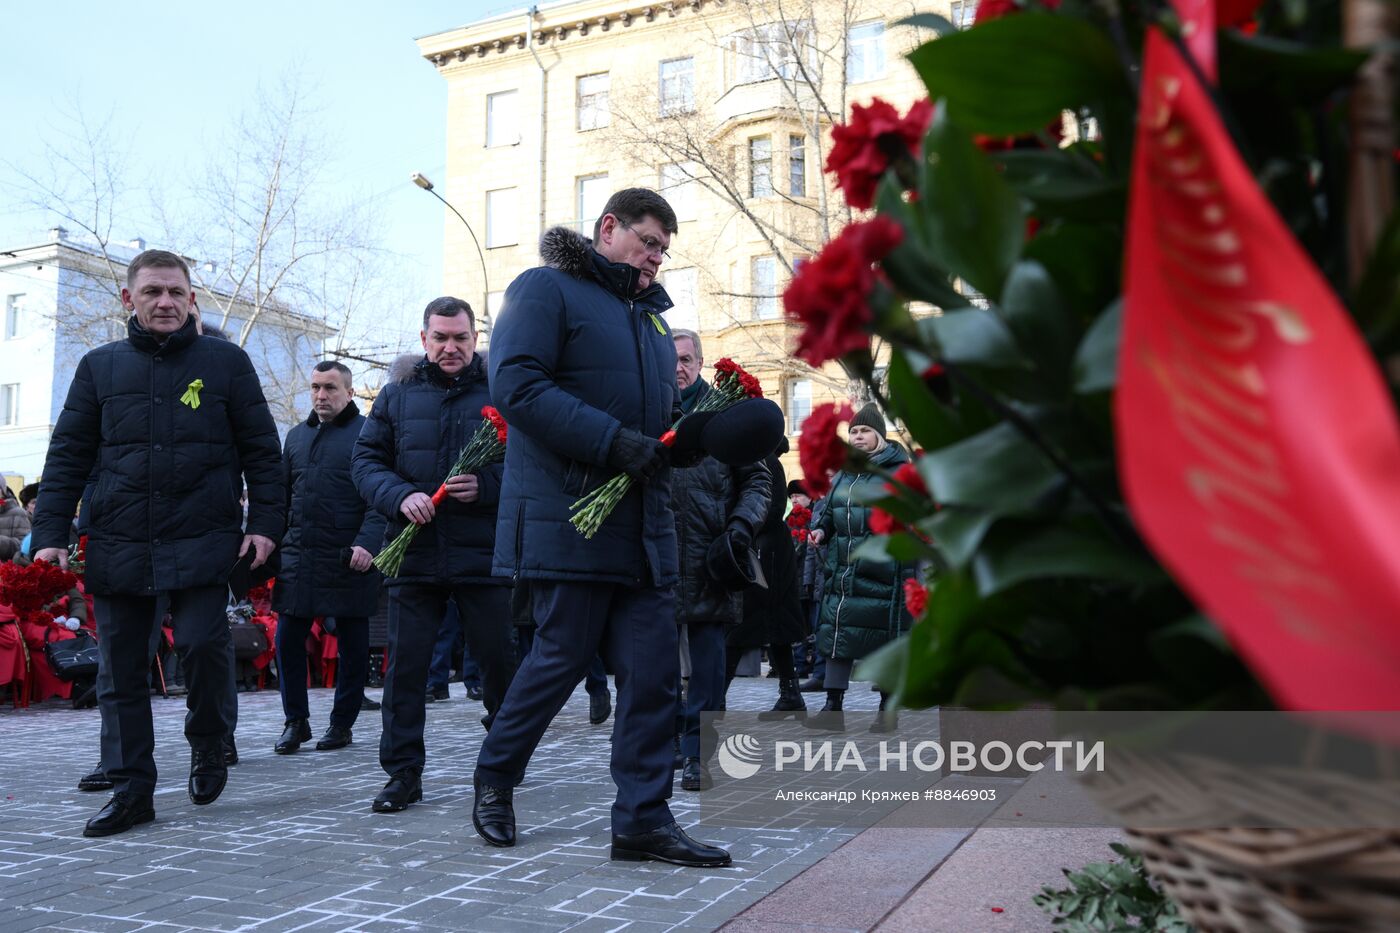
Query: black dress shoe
(334, 738)
(439, 693)
(475, 694)
(493, 814)
(96, 779)
(230, 751)
(599, 707)
(296, 732)
(695, 776)
(208, 775)
(122, 812)
(669, 843)
(404, 787)
(368, 705)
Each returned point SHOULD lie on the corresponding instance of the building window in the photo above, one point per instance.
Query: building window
(9, 404)
(865, 52)
(679, 188)
(765, 288)
(593, 101)
(14, 311)
(677, 86)
(797, 166)
(799, 403)
(502, 123)
(769, 51)
(683, 286)
(963, 13)
(760, 167)
(495, 301)
(502, 215)
(590, 196)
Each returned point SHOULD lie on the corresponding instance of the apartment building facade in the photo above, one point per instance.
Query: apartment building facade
(724, 107)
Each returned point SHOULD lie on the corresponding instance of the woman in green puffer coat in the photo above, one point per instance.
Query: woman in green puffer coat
(863, 606)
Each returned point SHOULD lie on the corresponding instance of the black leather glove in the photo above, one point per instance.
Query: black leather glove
(739, 538)
(636, 454)
(685, 459)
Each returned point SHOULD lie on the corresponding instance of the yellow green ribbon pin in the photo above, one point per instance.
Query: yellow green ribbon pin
(191, 396)
(656, 322)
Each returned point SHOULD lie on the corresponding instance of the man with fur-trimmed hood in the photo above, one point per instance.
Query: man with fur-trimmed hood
(583, 368)
(418, 425)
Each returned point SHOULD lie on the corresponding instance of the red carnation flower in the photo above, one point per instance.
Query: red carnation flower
(820, 451)
(908, 474)
(830, 294)
(883, 523)
(996, 9)
(862, 149)
(915, 597)
(494, 416)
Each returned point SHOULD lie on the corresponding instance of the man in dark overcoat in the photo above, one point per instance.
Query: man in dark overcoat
(410, 442)
(173, 422)
(331, 539)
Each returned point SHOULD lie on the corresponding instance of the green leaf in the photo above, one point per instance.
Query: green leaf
(873, 549)
(1016, 74)
(932, 425)
(1291, 71)
(973, 337)
(1063, 185)
(911, 267)
(1376, 304)
(997, 470)
(886, 666)
(975, 223)
(1054, 553)
(1085, 260)
(932, 21)
(1096, 362)
(1044, 330)
(957, 532)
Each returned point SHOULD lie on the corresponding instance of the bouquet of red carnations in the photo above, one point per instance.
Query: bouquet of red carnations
(29, 590)
(732, 384)
(487, 446)
(797, 521)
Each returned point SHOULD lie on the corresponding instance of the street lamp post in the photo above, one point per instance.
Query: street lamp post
(422, 181)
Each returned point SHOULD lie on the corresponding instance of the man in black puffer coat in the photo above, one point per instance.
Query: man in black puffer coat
(173, 422)
(409, 443)
(711, 501)
(326, 570)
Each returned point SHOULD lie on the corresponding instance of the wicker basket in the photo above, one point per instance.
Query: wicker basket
(1256, 880)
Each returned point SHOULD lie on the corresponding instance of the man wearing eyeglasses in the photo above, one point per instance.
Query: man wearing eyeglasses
(583, 368)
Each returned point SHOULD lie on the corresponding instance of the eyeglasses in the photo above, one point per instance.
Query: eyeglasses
(654, 247)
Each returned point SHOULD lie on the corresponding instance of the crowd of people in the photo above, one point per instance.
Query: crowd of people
(165, 436)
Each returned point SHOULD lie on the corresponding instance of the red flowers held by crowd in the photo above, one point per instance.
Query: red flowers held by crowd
(915, 597)
(820, 451)
(728, 373)
(830, 294)
(497, 421)
(797, 521)
(31, 588)
(863, 149)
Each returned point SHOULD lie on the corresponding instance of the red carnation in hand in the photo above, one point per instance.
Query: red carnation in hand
(861, 150)
(820, 451)
(830, 294)
(915, 597)
(494, 416)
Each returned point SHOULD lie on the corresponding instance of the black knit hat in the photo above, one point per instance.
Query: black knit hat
(795, 487)
(870, 417)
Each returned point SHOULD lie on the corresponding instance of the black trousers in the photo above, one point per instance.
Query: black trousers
(205, 648)
(352, 667)
(415, 613)
(635, 630)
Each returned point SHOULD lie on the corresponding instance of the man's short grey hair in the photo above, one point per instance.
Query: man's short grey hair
(693, 337)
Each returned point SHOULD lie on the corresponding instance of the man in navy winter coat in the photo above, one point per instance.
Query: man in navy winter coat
(414, 433)
(583, 369)
(326, 571)
(172, 422)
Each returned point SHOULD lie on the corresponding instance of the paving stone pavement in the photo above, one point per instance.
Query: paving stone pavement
(292, 845)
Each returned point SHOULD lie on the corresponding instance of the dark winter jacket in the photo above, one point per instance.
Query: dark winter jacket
(14, 525)
(772, 614)
(325, 516)
(863, 606)
(164, 512)
(414, 433)
(577, 354)
(709, 499)
(811, 559)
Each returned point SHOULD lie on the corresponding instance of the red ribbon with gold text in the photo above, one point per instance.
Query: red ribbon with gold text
(1259, 447)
